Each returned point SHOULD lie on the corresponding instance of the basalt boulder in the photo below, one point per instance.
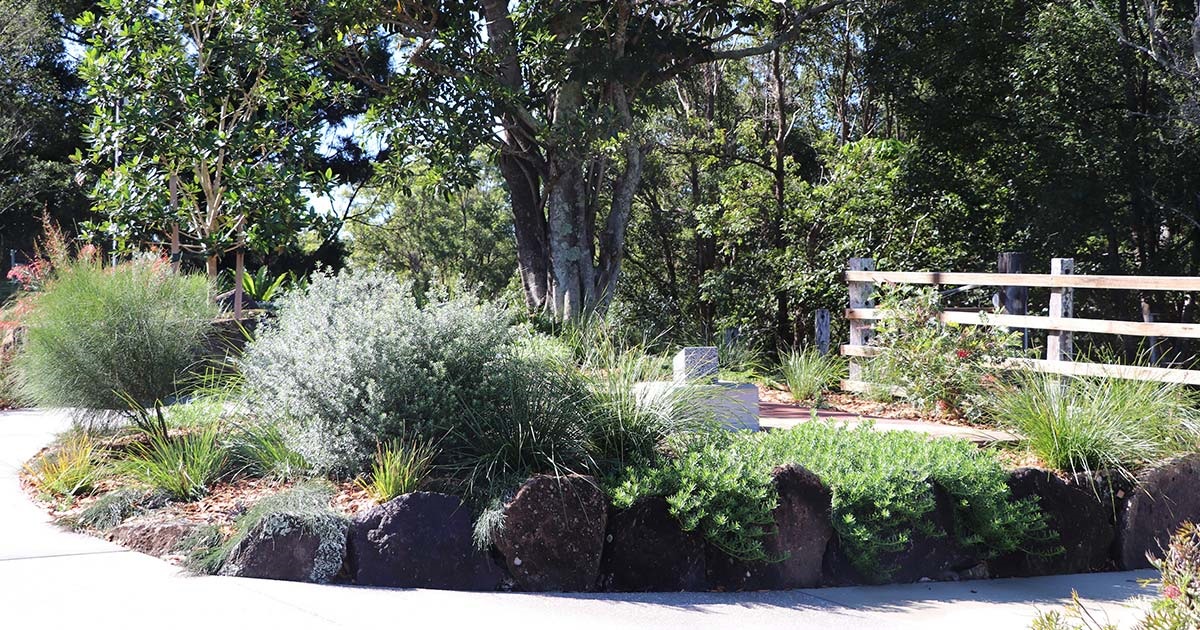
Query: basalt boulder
(420, 540)
(553, 533)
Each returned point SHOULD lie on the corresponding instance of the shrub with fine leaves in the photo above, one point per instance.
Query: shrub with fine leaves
(95, 331)
(352, 361)
(882, 485)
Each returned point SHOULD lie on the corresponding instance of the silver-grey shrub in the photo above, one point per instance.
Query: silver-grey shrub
(353, 361)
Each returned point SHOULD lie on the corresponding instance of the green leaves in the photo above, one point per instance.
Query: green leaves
(214, 94)
(883, 486)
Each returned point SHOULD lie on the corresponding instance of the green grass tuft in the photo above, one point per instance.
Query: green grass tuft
(182, 465)
(399, 468)
(1082, 424)
(809, 374)
(69, 468)
(260, 450)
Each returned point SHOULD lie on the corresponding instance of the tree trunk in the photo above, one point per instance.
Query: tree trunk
(239, 277)
(176, 247)
(529, 223)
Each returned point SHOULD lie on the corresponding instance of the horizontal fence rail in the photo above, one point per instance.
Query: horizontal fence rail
(1039, 322)
(1148, 283)
(862, 278)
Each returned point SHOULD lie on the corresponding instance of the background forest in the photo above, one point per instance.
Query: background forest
(685, 170)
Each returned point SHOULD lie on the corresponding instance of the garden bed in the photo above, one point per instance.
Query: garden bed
(564, 534)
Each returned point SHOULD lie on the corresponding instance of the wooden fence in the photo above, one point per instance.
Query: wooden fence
(1060, 325)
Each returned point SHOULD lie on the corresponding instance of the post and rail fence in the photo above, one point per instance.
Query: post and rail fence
(861, 278)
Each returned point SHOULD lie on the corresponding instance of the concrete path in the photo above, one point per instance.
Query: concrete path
(776, 415)
(53, 579)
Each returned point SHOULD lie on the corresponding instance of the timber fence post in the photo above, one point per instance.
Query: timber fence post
(821, 333)
(1059, 345)
(1014, 299)
(860, 297)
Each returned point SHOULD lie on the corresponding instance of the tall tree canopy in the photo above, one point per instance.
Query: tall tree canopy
(40, 119)
(214, 101)
(562, 92)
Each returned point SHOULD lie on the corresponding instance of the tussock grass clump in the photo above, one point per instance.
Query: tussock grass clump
(627, 426)
(399, 468)
(260, 450)
(305, 505)
(182, 465)
(882, 483)
(809, 374)
(94, 331)
(69, 468)
(1093, 423)
(116, 507)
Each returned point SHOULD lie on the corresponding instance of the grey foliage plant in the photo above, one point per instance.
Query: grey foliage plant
(352, 360)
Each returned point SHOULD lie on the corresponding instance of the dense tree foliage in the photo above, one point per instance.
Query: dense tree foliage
(212, 102)
(40, 123)
(690, 167)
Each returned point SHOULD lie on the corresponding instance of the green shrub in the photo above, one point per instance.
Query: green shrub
(740, 360)
(942, 368)
(208, 551)
(352, 361)
(184, 466)
(537, 422)
(882, 485)
(1093, 423)
(809, 374)
(260, 450)
(627, 427)
(70, 467)
(95, 331)
(1178, 584)
(399, 468)
(116, 507)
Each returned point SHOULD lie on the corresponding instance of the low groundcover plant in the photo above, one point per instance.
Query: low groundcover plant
(882, 485)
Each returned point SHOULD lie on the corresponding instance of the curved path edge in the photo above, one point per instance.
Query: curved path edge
(51, 578)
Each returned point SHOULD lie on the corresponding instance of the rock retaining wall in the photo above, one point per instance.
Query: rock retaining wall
(560, 534)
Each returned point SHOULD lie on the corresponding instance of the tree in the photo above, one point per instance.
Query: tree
(560, 91)
(208, 114)
(1171, 39)
(39, 123)
(436, 236)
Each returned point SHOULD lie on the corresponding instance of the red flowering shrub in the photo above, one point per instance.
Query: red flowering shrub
(1179, 606)
(32, 276)
(943, 368)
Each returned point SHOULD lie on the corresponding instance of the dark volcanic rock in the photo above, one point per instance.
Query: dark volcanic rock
(291, 547)
(553, 533)
(156, 538)
(803, 531)
(645, 550)
(1084, 531)
(926, 557)
(420, 540)
(1165, 498)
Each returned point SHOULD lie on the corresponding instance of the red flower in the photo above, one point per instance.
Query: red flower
(1171, 591)
(962, 353)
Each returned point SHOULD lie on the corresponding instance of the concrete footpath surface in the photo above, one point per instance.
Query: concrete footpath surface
(54, 579)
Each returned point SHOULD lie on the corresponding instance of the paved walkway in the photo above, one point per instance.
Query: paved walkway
(53, 579)
(776, 415)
